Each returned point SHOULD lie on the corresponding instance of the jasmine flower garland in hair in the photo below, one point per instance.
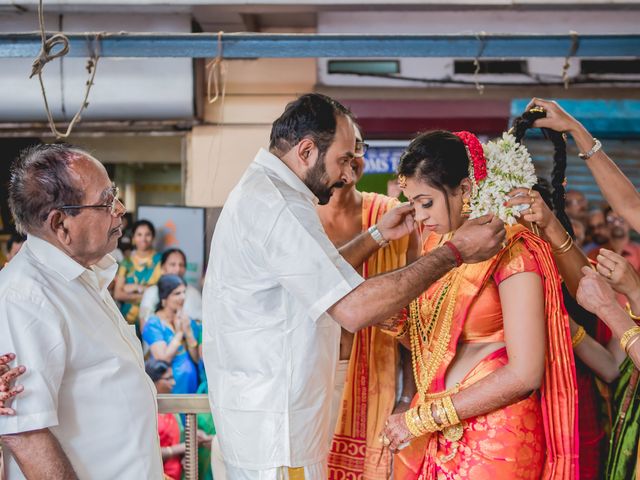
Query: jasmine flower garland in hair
(509, 166)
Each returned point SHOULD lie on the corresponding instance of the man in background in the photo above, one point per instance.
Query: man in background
(597, 230)
(366, 378)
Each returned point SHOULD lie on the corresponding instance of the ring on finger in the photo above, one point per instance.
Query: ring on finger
(385, 440)
(610, 274)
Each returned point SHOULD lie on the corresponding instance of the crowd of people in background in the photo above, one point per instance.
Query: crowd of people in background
(167, 314)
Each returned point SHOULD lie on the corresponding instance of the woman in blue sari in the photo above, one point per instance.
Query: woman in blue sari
(172, 336)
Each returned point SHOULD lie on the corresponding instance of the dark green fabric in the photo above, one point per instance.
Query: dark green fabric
(205, 423)
(623, 449)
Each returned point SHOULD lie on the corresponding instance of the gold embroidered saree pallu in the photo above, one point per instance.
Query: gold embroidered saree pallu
(370, 389)
(510, 442)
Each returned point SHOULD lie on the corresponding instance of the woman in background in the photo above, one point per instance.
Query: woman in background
(137, 272)
(172, 336)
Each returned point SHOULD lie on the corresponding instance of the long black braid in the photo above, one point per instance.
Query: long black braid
(520, 127)
(579, 314)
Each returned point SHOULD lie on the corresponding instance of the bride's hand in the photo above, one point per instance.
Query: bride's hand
(537, 210)
(396, 432)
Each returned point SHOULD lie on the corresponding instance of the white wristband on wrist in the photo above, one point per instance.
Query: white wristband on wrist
(377, 236)
(596, 147)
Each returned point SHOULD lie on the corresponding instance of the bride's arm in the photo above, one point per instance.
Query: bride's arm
(522, 300)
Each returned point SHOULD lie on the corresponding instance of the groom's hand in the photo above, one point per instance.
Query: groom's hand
(397, 223)
(480, 238)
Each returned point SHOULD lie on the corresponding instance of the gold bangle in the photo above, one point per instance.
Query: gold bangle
(628, 335)
(630, 343)
(565, 247)
(426, 417)
(579, 336)
(409, 419)
(442, 414)
(631, 314)
(450, 408)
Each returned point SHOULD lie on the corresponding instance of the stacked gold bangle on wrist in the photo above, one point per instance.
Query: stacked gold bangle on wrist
(631, 314)
(414, 422)
(453, 430)
(452, 415)
(578, 337)
(629, 338)
(420, 419)
(426, 416)
(565, 247)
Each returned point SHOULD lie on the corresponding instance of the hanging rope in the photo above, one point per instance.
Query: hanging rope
(217, 73)
(476, 62)
(567, 63)
(46, 55)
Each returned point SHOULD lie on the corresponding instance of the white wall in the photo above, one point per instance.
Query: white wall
(124, 89)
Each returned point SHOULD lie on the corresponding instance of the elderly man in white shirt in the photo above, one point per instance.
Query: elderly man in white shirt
(277, 291)
(88, 409)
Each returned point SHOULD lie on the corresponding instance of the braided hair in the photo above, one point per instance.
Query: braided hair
(520, 127)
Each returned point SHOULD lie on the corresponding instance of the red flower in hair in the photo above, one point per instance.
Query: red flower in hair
(474, 147)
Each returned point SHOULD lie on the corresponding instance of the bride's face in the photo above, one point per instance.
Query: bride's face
(436, 211)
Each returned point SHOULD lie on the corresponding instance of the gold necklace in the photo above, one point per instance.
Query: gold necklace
(422, 336)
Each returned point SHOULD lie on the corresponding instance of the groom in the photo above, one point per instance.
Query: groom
(277, 292)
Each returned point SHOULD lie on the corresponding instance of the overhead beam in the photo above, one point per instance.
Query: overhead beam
(257, 45)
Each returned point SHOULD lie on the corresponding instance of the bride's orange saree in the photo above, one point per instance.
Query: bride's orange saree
(533, 438)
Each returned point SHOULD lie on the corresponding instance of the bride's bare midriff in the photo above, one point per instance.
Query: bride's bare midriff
(468, 355)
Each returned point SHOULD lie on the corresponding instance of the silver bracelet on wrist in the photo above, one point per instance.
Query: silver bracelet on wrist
(377, 236)
(596, 147)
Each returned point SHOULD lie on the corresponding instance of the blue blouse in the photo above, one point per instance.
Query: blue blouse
(185, 372)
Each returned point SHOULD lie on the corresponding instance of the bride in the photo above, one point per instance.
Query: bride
(491, 348)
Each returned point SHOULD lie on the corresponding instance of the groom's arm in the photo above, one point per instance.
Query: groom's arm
(393, 225)
(382, 296)
(39, 455)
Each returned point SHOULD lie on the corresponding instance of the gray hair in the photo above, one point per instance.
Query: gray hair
(40, 181)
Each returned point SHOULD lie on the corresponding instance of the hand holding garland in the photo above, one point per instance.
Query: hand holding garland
(615, 186)
(569, 258)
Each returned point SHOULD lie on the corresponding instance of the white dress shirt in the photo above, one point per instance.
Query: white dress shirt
(85, 378)
(192, 302)
(270, 348)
